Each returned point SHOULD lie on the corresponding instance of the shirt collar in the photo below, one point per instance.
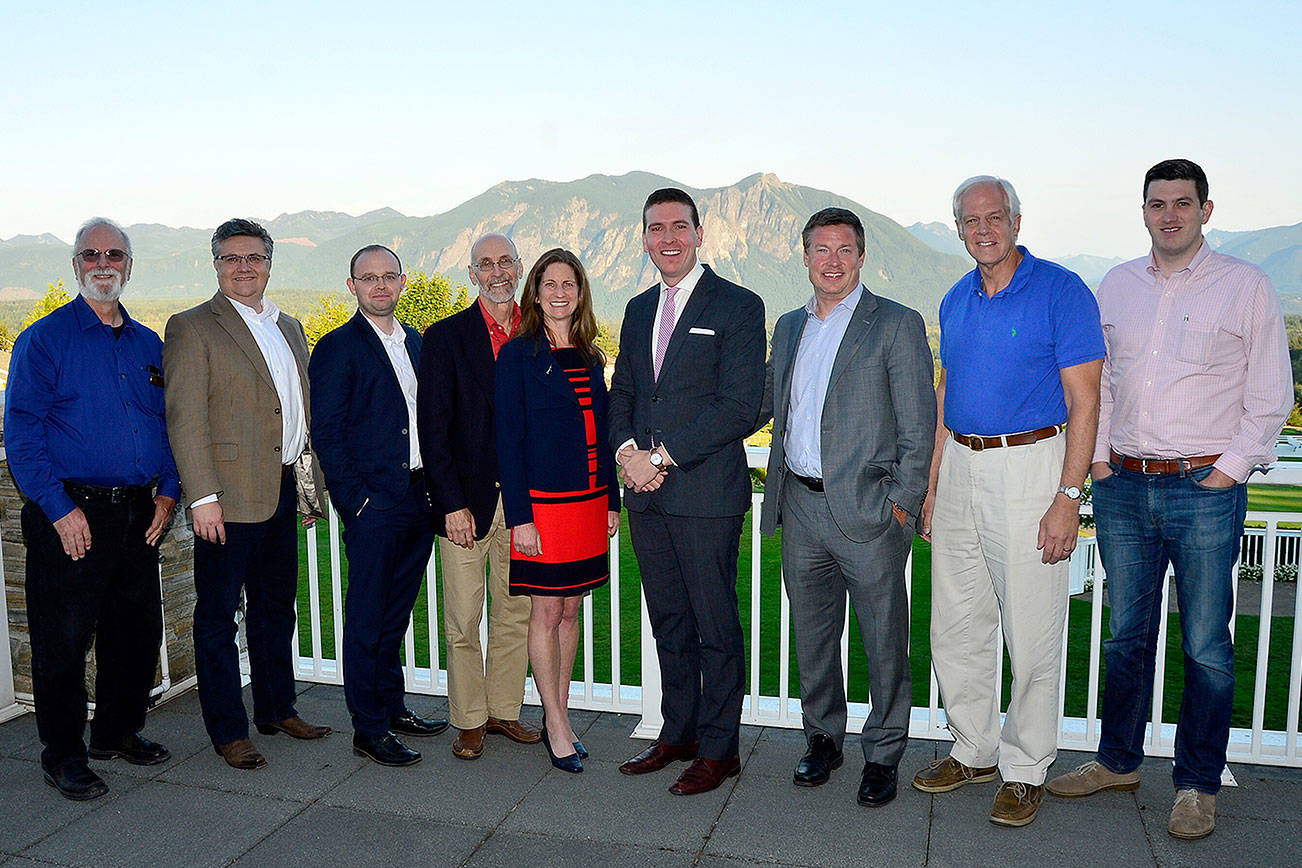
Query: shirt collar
(850, 302)
(493, 323)
(1021, 277)
(87, 318)
(689, 280)
(1204, 251)
(270, 313)
(399, 336)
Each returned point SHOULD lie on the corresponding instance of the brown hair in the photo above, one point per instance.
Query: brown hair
(583, 326)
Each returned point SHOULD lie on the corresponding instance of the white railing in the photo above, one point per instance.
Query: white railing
(1247, 744)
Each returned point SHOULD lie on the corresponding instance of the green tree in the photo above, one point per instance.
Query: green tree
(330, 313)
(55, 297)
(6, 339)
(429, 298)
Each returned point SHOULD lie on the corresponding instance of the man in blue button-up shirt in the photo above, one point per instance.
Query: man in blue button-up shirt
(87, 444)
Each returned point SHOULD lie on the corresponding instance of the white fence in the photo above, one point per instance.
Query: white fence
(781, 708)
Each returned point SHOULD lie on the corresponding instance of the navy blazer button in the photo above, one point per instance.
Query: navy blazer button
(404, 465)
(404, 431)
(655, 399)
(497, 485)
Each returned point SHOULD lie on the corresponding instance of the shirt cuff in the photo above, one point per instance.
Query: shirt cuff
(668, 457)
(1234, 466)
(203, 501)
(629, 442)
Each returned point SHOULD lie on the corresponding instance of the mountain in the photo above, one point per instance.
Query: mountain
(752, 236)
(1090, 268)
(1278, 250)
(940, 236)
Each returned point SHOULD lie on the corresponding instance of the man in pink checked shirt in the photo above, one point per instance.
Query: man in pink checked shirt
(1196, 387)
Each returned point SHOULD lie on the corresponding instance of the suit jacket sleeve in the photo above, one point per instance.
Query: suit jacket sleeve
(509, 414)
(911, 374)
(605, 455)
(738, 393)
(437, 383)
(189, 431)
(333, 380)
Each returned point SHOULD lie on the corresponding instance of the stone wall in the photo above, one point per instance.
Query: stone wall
(177, 551)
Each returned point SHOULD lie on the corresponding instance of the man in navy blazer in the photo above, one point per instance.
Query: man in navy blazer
(686, 389)
(364, 433)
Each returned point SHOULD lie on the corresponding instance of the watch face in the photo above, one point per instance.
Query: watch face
(657, 459)
(1071, 491)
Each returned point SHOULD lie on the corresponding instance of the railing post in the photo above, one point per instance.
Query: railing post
(652, 720)
(8, 707)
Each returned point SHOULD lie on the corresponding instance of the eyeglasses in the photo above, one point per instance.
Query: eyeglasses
(369, 280)
(487, 265)
(233, 260)
(90, 255)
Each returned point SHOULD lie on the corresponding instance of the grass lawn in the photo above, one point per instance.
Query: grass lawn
(1247, 631)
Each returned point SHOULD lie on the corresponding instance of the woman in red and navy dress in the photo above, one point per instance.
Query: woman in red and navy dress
(559, 493)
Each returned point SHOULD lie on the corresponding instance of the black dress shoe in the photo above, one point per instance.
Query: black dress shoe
(135, 749)
(384, 749)
(878, 785)
(74, 780)
(408, 723)
(816, 766)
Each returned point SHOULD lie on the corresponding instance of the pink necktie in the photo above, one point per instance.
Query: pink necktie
(666, 328)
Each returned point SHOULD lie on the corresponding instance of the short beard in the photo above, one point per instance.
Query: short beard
(498, 296)
(92, 293)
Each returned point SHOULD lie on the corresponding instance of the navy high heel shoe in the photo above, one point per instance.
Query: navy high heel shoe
(580, 750)
(570, 763)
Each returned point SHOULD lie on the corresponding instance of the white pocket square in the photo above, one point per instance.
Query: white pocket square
(700, 331)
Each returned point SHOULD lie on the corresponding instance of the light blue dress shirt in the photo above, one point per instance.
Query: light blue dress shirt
(819, 342)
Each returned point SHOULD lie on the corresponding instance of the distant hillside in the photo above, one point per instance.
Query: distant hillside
(752, 231)
(1090, 268)
(1278, 250)
(941, 236)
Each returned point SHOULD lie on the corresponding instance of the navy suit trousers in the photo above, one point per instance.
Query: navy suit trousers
(388, 550)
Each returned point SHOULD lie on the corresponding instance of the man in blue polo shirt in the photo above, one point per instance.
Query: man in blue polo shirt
(1021, 351)
(87, 445)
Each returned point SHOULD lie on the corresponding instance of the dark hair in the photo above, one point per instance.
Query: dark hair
(583, 327)
(671, 194)
(240, 227)
(833, 217)
(371, 248)
(1178, 170)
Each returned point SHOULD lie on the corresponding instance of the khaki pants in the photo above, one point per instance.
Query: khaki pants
(477, 687)
(984, 567)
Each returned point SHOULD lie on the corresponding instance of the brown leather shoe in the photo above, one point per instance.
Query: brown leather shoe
(659, 755)
(704, 775)
(1016, 803)
(295, 726)
(469, 743)
(515, 730)
(240, 754)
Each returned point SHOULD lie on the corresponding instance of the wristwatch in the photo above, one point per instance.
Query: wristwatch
(1070, 490)
(656, 459)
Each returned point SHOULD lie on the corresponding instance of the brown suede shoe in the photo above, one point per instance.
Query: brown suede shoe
(944, 775)
(294, 726)
(1016, 803)
(704, 775)
(1193, 816)
(516, 730)
(240, 754)
(659, 755)
(469, 743)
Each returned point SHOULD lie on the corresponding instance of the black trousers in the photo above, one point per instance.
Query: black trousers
(262, 558)
(689, 573)
(111, 594)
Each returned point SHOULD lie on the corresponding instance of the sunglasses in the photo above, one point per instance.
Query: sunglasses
(90, 255)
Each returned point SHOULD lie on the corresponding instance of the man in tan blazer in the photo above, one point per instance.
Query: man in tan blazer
(237, 401)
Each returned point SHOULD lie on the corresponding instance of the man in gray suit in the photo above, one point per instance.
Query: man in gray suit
(854, 415)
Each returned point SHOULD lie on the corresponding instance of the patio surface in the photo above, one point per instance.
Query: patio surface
(317, 804)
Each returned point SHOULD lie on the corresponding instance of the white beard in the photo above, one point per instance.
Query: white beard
(93, 293)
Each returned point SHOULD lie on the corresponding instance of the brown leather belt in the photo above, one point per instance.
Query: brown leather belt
(1025, 438)
(1157, 466)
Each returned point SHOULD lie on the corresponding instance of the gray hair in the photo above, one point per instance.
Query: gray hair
(240, 227)
(1010, 195)
(96, 222)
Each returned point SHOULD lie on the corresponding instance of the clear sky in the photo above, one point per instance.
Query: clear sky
(186, 114)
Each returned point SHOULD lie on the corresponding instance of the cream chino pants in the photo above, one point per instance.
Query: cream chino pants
(985, 569)
(480, 687)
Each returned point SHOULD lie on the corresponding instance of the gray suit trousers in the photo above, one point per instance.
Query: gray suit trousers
(821, 567)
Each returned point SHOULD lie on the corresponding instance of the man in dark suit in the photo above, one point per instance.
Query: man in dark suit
(854, 419)
(237, 401)
(687, 388)
(459, 447)
(364, 431)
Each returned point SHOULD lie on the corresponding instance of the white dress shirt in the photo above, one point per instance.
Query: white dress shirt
(395, 346)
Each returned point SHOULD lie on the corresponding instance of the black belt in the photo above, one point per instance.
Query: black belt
(809, 482)
(105, 494)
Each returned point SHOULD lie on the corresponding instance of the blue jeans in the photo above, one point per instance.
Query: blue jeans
(1144, 523)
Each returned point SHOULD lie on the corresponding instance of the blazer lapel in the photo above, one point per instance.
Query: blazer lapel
(372, 340)
(547, 369)
(479, 348)
(861, 321)
(232, 322)
(700, 299)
